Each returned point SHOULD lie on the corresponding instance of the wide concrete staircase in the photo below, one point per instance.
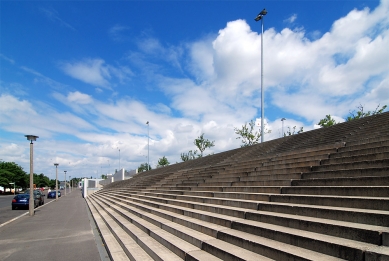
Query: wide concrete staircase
(318, 195)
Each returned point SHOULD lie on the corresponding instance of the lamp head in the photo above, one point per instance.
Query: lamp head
(31, 137)
(56, 164)
(260, 15)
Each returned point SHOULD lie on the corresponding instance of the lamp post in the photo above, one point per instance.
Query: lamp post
(13, 183)
(70, 183)
(260, 16)
(65, 181)
(119, 158)
(31, 138)
(56, 181)
(148, 145)
(282, 126)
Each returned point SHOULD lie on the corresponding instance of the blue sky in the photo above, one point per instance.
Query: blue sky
(86, 76)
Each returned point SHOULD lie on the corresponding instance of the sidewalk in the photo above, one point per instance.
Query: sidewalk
(59, 230)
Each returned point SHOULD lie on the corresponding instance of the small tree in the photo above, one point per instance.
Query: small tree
(143, 167)
(361, 114)
(327, 121)
(290, 132)
(162, 162)
(189, 156)
(203, 144)
(247, 134)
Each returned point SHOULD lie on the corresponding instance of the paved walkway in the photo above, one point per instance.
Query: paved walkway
(59, 230)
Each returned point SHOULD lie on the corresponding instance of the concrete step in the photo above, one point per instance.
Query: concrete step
(347, 173)
(376, 203)
(273, 249)
(261, 177)
(373, 149)
(363, 216)
(167, 230)
(332, 245)
(113, 247)
(283, 182)
(379, 163)
(365, 143)
(358, 181)
(125, 243)
(336, 228)
(359, 191)
(144, 238)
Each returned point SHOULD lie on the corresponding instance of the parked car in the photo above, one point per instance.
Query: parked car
(21, 201)
(51, 194)
(39, 194)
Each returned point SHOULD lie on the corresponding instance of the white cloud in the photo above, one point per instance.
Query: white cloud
(53, 16)
(91, 71)
(79, 98)
(7, 58)
(117, 32)
(96, 72)
(291, 19)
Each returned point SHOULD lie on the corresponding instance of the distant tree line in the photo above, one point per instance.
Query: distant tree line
(10, 172)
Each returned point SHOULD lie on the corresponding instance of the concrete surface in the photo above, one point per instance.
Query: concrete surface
(59, 230)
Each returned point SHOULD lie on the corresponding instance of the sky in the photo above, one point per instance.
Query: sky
(86, 76)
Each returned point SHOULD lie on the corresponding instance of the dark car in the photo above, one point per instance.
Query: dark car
(39, 195)
(21, 201)
(51, 194)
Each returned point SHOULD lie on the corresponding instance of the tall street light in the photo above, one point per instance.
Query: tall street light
(70, 183)
(119, 158)
(56, 181)
(148, 145)
(31, 138)
(65, 181)
(282, 126)
(260, 16)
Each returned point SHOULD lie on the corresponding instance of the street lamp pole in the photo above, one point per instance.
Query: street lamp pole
(148, 145)
(70, 183)
(260, 16)
(56, 181)
(31, 138)
(119, 159)
(65, 181)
